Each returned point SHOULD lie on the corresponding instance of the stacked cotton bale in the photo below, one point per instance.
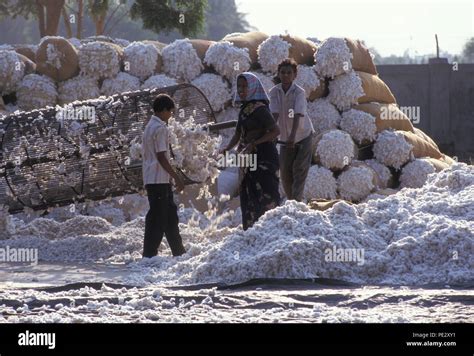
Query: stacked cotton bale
(36, 91)
(100, 59)
(227, 60)
(215, 88)
(158, 81)
(57, 58)
(12, 70)
(122, 82)
(181, 60)
(140, 59)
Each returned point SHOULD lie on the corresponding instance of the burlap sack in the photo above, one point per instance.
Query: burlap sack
(69, 62)
(251, 41)
(301, 50)
(362, 60)
(448, 160)
(320, 92)
(159, 46)
(323, 204)
(421, 147)
(438, 164)
(387, 116)
(201, 47)
(375, 90)
(27, 51)
(30, 66)
(424, 136)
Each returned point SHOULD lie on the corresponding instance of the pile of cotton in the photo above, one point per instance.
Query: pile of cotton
(75, 42)
(392, 149)
(180, 60)
(158, 81)
(214, 88)
(415, 173)
(272, 52)
(140, 59)
(307, 79)
(384, 175)
(228, 60)
(335, 149)
(99, 59)
(360, 125)
(12, 70)
(356, 183)
(6, 225)
(345, 89)
(36, 91)
(333, 58)
(123, 82)
(194, 151)
(323, 115)
(78, 88)
(320, 184)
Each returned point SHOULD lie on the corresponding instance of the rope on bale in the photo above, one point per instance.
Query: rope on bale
(49, 160)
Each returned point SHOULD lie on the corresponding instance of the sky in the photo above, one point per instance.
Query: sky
(391, 27)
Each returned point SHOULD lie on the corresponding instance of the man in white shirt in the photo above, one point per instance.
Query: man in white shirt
(162, 218)
(288, 106)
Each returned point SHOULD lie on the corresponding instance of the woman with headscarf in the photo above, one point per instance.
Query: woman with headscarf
(256, 133)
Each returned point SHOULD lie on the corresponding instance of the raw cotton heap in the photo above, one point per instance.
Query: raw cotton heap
(323, 115)
(345, 89)
(36, 91)
(12, 71)
(356, 183)
(335, 149)
(321, 184)
(194, 150)
(333, 58)
(392, 149)
(415, 173)
(360, 125)
(272, 52)
(140, 59)
(180, 60)
(159, 81)
(78, 88)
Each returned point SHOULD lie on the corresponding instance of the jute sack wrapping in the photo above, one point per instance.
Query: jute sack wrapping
(375, 90)
(438, 164)
(361, 59)
(448, 160)
(159, 46)
(423, 135)
(301, 50)
(323, 204)
(320, 92)
(251, 41)
(387, 116)
(421, 147)
(30, 66)
(27, 51)
(201, 47)
(69, 61)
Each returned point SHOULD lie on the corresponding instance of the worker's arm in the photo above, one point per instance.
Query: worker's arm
(161, 156)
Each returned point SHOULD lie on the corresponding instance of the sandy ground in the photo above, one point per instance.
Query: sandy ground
(95, 293)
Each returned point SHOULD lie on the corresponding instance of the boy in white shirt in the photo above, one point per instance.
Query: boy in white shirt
(288, 106)
(162, 218)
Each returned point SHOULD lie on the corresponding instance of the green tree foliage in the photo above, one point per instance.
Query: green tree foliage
(222, 18)
(186, 16)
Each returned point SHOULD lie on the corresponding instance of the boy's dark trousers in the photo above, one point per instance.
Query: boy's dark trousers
(162, 218)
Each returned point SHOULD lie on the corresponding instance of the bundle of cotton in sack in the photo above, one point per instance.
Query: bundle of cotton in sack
(323, 115)
(140, 59)
(36, 91)
(215, 89)
(356, 182)
(181, 61)
(159, 81)
(248, 40)
(387, 116)
(336, 56)
(320, 184)
(360, 125)
(385, 177)
(26, 50)
(57, 58)
(100, 59)
(121, 83)
(228, 60)
(308, 79)
(78, 88)
(272, 52)
(358, 87)
(335, 149)
(415, 173)
(12, 70)
(392, 149)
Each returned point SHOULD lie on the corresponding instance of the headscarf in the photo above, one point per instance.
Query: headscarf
(255, 89)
